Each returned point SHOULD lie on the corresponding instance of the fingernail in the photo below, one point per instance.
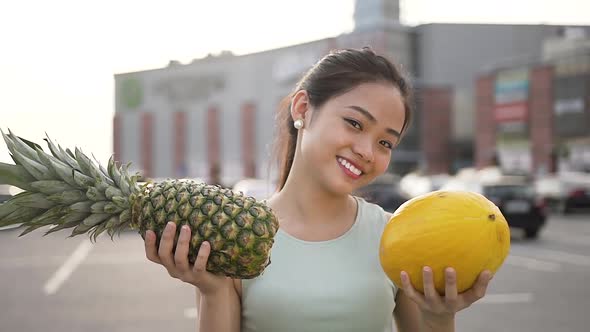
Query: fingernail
(426, 269)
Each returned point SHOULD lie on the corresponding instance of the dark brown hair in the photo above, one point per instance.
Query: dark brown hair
(335, 74)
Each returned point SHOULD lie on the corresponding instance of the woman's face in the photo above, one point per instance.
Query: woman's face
(349, 141)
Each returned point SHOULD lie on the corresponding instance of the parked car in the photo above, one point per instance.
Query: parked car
(515, 196)
(577, 198)
(416, 183)
(519, 203)
(384, 191)
(565, 192)
(260, 189)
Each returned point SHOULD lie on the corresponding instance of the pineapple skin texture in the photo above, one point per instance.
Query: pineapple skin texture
(240, 229)
(441, 229)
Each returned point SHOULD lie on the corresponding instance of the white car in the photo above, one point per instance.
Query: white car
(258, 188)
(566, 191)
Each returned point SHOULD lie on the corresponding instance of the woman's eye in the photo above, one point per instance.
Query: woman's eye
(354, 123)
(387, 144)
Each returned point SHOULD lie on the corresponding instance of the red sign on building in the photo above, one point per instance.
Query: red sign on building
(516, 111)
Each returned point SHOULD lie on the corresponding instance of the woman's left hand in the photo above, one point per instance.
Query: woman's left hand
(436, 307)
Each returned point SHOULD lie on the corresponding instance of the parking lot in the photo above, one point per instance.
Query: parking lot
(56, 283)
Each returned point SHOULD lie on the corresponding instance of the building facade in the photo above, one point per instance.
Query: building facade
(534, 116)
(215, 116)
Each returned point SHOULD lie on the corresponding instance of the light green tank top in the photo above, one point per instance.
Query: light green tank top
(335, 285)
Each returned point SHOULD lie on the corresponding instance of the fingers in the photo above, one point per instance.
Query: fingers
(151, 252)
(429, 288)
(202, 257)
(175, 258)
(181, 252)
(479, 288)
(165, 249)
(452, 302)
(410, 291)
(166, 245)
(450, 286)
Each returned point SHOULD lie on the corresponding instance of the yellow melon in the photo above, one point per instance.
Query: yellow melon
(441, 229)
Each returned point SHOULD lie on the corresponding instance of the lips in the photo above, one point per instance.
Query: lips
(350, 168)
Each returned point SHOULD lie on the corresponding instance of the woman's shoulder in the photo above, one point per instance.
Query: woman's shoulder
(372, 211)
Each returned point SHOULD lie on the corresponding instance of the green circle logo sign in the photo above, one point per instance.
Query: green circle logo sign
(131, 93)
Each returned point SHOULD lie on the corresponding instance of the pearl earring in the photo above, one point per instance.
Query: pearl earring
(298, 124)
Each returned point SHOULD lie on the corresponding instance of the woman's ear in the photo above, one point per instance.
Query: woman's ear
(299, 105)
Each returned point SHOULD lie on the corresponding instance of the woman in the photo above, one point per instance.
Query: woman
(337, 134)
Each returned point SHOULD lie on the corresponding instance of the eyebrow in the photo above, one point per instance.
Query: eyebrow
(372, 119)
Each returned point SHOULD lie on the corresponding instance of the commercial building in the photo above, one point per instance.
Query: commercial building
(216, 114)
(533, 114)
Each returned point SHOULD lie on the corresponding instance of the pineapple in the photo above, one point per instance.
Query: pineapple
(68, 190)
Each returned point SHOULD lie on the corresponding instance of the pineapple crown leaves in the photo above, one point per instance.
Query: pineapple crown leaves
(65, 189)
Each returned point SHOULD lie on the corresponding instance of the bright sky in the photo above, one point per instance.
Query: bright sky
(57, 58)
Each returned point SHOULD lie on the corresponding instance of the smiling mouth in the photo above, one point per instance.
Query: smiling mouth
(348, 168)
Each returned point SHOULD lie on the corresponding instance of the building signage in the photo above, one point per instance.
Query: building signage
(571, 66)
(570, 113)
(130, 93)
(511, 94)
(511, 91)
(511, 112)
(185, 88)
(565, 106)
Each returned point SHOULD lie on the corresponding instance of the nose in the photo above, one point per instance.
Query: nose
(364, 149)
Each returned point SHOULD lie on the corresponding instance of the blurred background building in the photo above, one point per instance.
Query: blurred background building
(532, 111)
(516, 95)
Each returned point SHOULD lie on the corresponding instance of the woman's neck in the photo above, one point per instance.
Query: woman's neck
(304, 201)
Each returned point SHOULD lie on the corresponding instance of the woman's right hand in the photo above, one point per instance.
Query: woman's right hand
(177, 263)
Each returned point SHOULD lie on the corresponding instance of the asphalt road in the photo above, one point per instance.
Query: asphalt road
(55, 283)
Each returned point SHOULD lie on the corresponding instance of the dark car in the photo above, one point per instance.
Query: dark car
(576, 198)
(565, 193)
(519, 204)
(385, 192)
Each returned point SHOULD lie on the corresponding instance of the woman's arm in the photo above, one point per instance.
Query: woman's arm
(220, 311)
(218, 302)
(406, 313)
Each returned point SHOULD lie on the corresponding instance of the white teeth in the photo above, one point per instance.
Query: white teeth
(349, 166)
